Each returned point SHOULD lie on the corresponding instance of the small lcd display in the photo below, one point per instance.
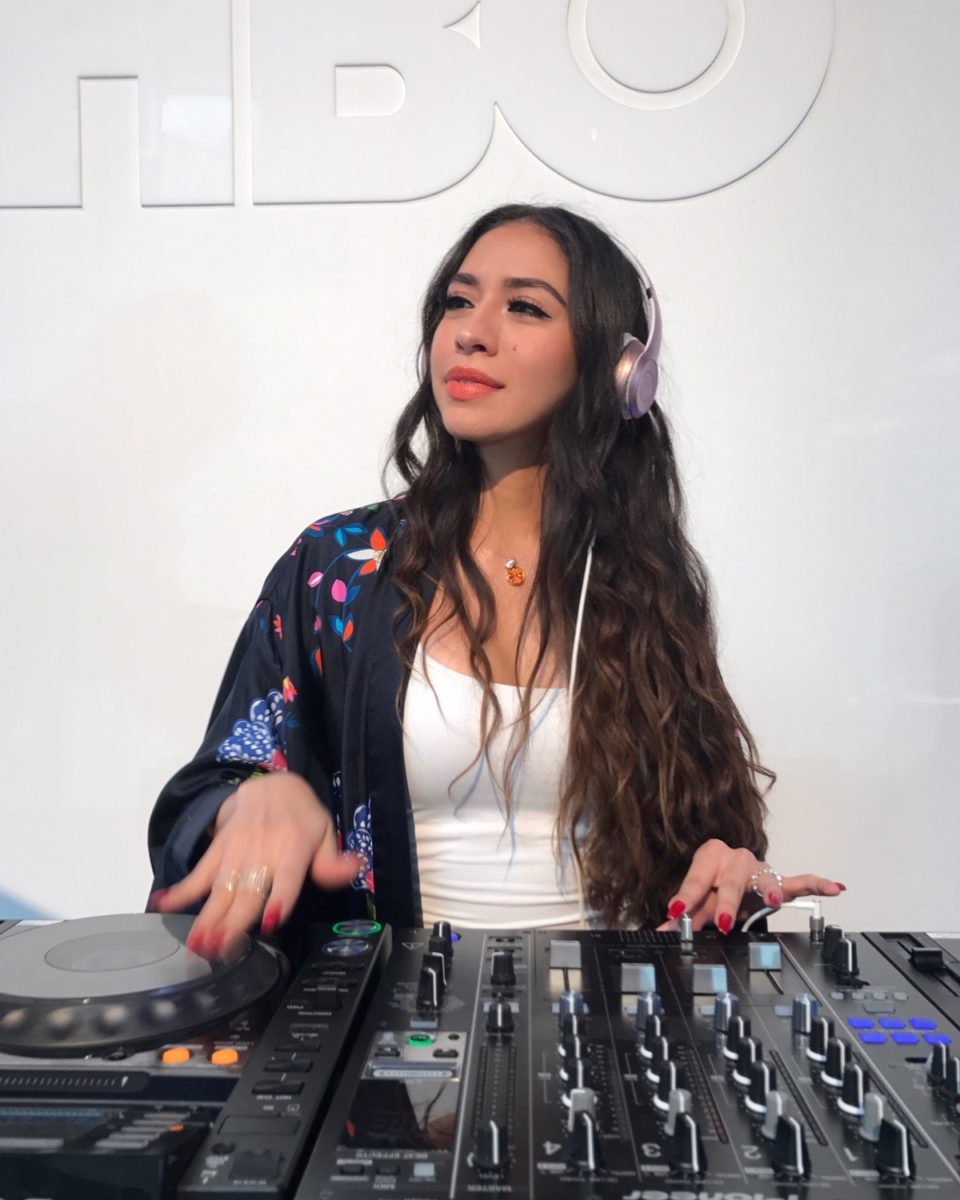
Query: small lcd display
(402, 1114)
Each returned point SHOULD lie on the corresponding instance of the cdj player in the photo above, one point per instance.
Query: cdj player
(463, 1063)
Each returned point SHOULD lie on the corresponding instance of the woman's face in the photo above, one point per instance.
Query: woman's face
(502, 357)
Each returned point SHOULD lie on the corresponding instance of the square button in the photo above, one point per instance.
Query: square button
(904, 1039)
(860, 1022)
(892, 1023)
(936, 1039)
(922, 1023)
(873, 1039)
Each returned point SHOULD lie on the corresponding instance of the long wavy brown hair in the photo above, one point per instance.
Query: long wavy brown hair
(659, 758)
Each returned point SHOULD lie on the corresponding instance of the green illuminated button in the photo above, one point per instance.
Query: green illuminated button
(420, 1039)
(357, 928)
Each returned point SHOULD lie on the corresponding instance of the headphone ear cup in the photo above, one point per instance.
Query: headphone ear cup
(635, 378)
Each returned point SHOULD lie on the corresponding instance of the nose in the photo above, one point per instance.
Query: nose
(478, 334)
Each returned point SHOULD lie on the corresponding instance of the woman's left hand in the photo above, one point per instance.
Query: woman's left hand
(720, 877)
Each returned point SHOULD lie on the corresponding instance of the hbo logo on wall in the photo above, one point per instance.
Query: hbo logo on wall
(355, 100)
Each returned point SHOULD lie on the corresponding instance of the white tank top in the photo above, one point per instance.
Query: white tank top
(477, 869)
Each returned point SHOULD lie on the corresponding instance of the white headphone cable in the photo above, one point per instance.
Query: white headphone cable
(571, 682)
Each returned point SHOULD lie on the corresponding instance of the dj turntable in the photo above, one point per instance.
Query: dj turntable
(125, 1058)
(449, 1064)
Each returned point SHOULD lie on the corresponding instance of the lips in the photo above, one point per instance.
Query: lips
(466, 383)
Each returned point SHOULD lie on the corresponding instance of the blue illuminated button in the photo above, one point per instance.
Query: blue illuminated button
(859, 1022)
(936, 1039)
(905, 1039)
(892, 1023)
(873, 1039)
(922, 1023)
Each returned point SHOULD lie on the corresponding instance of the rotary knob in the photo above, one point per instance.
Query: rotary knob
(850, 1100)
(572, 1045)
(821, 1031)
(763, 1080)
(749, 1052)
(502, 972)
(872, 1117)
(845, 958)
(738, 1030)
(574, 1074)
(725, 1007)
(583, 1149)
(584, 1143)
(429, 988)
(648, 1003)
(831, 936)
(776, 1108)
(790, 1155)
(805, 1008)
(686, 934)
(433, 958)
(686, 1154)
(671, 1079)
(937, 1065)
(835, 1064)
(659, 1057)
(680, 1102)
(894, 1156)
(573, 1012)
(441, 939)
(951, 1081)
(500, 1018)
(652, 1032)
(491, 1152)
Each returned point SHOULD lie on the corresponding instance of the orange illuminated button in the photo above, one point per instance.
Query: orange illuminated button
(175, 1054)
(224, 1057)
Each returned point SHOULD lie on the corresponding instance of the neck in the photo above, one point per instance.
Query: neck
(510, 507)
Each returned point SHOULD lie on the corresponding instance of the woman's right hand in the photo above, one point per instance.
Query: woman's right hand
(274, 822)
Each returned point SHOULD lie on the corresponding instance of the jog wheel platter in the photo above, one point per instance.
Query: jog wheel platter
(80, 987)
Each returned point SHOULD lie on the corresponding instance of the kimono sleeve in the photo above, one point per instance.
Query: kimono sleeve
(250, 731)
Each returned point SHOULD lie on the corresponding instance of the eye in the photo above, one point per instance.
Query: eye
(527, 308)
(454, 301)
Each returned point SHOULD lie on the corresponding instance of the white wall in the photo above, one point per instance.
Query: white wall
(189, 377)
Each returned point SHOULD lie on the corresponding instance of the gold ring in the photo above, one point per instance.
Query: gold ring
(251, 879)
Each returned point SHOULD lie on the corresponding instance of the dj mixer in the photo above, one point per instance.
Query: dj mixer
(632, 1065)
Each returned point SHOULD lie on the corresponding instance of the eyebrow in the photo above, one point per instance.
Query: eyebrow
(513, 283)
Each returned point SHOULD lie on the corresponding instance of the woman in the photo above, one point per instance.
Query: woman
(412, 681)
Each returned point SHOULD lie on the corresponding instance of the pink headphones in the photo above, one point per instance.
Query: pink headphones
(636, 374)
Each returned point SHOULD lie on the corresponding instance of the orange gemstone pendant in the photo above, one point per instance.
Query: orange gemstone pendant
(515, 575)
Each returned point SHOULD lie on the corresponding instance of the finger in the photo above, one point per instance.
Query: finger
(699, 880)
(332, 870)
(287, 885)
(245, 911)
(733, 881)
(795, 886)
(204, 936)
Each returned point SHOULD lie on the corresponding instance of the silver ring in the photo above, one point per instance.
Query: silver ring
(257, 880)
(764, 869)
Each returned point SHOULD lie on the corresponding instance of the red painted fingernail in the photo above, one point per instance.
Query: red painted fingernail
(841, 886)
(155, 897)
(773, 900)
(676, 909)
(194, 942)
(271, 919)
(724, 923)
